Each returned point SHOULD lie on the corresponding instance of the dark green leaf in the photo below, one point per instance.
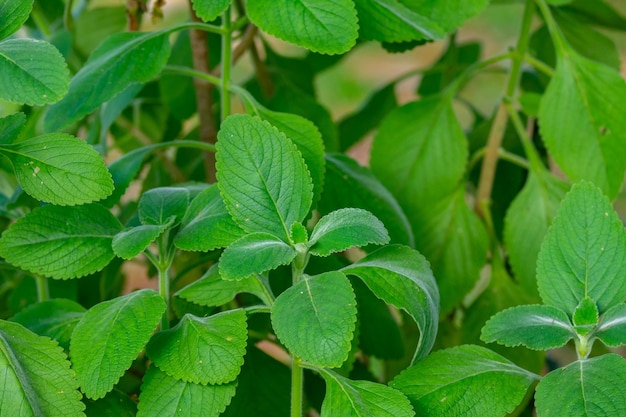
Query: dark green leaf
(612, 328)
(123, 171)
(158, 205)
(11, 126)
(114, 403)
(131, 242)
(14, 13)
(596, 12)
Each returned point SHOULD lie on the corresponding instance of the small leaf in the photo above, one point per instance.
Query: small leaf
(468, 381)
(158, 205)
(253, 254)
(214, 348)
(345, 397)
(612, 329)
(14, 14)
(36, 376)
(584, 253)
(33, 72)
(585, 316)
(325, 26)
(119, 61)
(537, 327)
(402, 277)
(124, 326)
(61, 242)
(262, 176)
(207, 225)
(299, 233)
(11, 126)
(59, 169)
(591, 387)
(315, 319)
(344, 229)
(209, 10)
(129, 243)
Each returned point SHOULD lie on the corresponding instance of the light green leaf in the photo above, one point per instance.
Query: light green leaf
(585, 316)
(402, 277)
(61, 242)
(121, 60)
(129, 243)
(59, 169)
(591, 387)
(612, 328)
(212, 290)
(468, 381)
(348, 398)
(209, 10)
(584, 253)
(325, 26)
(53, 318)
(315, 319)
(11, 126)
(164, 396)
(253, 254)
(207, 225)
(527, 221)
(299, 234)
(537, 327)
(346, 228)
(262, 176)
(213, 351)
(124, 325)
(584, 128)
(158, 205)
(33, 72)
(14, 13)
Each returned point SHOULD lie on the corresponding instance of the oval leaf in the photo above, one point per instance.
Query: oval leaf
(612, 329)
(129, 243)
(158, 205)
(209, 10)
(110, 336)
(14, 13)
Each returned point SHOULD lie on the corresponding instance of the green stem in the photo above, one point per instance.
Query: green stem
(68, 17)
(40, 20)
(43, 292)
(226, 64)
(531, 153)
(553, 28)
(267, 290)
(468, 73)
(257, 309)
(164, 290)
(163, 261)
(502, 154)
(297, 377)
(539, 65)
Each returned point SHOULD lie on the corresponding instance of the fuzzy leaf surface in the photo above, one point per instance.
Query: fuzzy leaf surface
(468, 381)
(262, 176)
(59, 169)
(612, 329)
(584, 253)
(36, 376)
(214, 348)
(129, 243)
(209, 10)
(315, 319)
(70, 242)
(124, 325)
(14, 13)
(158, 205)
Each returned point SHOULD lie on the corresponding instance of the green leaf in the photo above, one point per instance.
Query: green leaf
(344, 229)
(33, 72)
(207, 225)
(14, 13)
(214, 348)
(253, 254)
(129, 243)
(96, 23)
(158, 205)
(121, 60)
(61, 242)
(299, 234)
(537, 327)
(402, 277)
(11, 126)
(325, 26)
(345, 397)
(315, 319)
(527, 221)
(262, 176)
(585, 316)
(468, 381)
(582, 126)
(212, 290)
(123, 170)
(123, 326)
(584, 253)
(59, 169)
(209, 10)
(53, 318)
(456, 59)
(114, 403)
(612, 328)
(591, 387)
(164, 396)
(596, 12)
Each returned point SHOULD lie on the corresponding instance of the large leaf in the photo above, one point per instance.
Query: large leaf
(402, 277)
(467, 381)
(33, 72)
(315, 319)
(59, 169)
(582, 126)
(345, 397)
(209, 10)
(36, 376)
(262, 176)
(591, 387)
(61, 242)
(164, 396)
(612, 328)
(584, 253)
(121, 60)
(110, 336)
(14, 13)
(326, 26)
(205, 350)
